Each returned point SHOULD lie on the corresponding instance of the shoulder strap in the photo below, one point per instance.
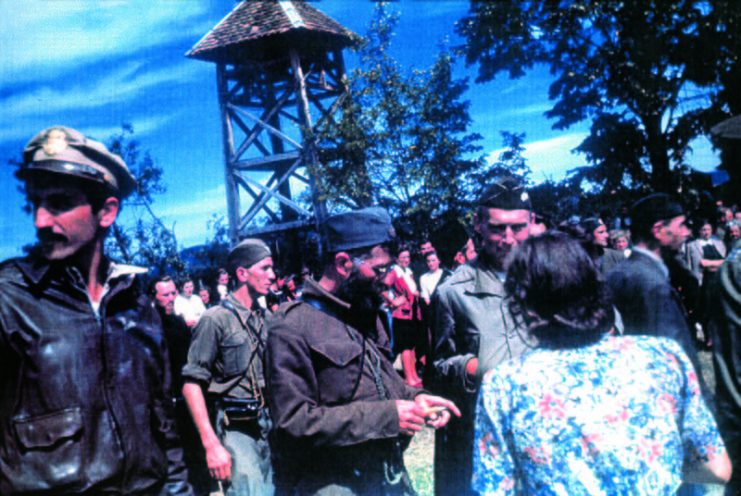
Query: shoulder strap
(226, 387)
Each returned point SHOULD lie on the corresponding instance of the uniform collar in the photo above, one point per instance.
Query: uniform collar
(485, 279)
(313, 289)
(243, 310)
(35, 268)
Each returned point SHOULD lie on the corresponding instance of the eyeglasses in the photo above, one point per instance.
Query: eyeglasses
(501, 229)
(378, 269)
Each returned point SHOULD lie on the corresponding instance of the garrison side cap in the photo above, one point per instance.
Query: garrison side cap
(362, 228)
(506, 193)
(66, 151)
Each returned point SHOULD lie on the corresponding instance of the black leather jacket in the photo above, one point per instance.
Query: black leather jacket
(83, 407)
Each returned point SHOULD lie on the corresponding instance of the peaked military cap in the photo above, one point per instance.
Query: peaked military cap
(66, 151)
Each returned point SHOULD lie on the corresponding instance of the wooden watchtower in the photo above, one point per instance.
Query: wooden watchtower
(280, 74)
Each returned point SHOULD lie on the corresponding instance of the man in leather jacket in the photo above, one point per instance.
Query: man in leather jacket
(84, 372)
(342, 414)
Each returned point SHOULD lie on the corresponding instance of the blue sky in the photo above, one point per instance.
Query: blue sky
(95, 65)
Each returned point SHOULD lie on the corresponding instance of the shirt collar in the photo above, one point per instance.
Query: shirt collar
(486, 280)
(656, 258)
(36, 268)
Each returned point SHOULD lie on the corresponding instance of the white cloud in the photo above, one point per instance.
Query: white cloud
(535, 109)
(203, 201)
(61, 33)
(190, 217)
(550, 158)
(142, 127)
(124, 84)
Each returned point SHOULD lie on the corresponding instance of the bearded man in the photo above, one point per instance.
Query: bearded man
(342, 414)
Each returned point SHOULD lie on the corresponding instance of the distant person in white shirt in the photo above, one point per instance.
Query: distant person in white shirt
(222, 284)
(188, 305)
(429, 281)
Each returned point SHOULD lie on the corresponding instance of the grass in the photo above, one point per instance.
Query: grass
(418, 459)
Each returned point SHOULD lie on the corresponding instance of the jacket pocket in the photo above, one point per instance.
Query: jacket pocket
(236, 351)
(49, 451)
(338, 369)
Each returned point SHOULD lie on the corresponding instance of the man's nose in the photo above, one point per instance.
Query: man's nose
(509, 235)
(42, 218)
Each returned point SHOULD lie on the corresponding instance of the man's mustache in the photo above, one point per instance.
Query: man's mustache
(46, 236)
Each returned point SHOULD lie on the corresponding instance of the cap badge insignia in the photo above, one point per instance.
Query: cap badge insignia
(56, 142)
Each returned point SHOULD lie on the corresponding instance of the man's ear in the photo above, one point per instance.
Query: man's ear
(240, 274)
(108, 212)
(343, 264)
(656, 229)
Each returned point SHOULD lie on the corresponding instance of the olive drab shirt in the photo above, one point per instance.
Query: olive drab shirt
(222, 348)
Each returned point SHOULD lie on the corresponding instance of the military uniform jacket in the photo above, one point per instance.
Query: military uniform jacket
(472, 320)
(84, 395)
(323, 391)
(647, 302)
(226, 351)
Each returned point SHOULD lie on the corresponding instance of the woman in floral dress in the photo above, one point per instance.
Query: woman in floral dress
(588, 412)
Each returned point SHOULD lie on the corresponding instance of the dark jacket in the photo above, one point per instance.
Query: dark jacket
(177, 336)
(333, 420)
(648, 304)
(610, 258)
(83, 401)
(725, 328)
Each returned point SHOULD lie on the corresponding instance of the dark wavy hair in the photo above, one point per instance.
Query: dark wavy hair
(555, 289)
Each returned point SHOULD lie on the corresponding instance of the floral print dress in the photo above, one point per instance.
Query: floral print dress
(620, 416)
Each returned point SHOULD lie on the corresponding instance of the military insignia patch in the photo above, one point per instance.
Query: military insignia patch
(56, 142)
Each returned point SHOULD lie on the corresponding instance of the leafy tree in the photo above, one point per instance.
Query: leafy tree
(402, 140)
(440, 148)
(148, 242)
(636, 69)
(343, 178)
(720, 54)
(509, 162)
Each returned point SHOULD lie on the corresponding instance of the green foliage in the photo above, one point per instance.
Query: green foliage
(510, 162)
(402, 140)
(147, 242)
(643, 72)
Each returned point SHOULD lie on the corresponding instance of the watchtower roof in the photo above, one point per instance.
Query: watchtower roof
(256, 28)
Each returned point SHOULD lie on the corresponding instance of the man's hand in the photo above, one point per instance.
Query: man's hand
(436, 410)
(219, 462)
(411, 416)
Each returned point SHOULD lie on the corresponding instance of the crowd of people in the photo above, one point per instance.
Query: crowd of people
(551, 358)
